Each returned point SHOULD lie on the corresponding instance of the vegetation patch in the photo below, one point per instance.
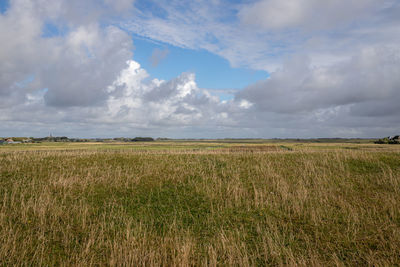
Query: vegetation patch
(92, 207)
(363, 166)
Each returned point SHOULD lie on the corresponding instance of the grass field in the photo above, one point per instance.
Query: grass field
(200, 203)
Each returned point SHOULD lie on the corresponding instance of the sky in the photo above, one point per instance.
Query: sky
(200, 69)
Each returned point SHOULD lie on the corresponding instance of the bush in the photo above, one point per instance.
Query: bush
(386, 140)
(142, 139)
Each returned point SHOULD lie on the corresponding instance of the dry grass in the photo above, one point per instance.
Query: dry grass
(236, 206)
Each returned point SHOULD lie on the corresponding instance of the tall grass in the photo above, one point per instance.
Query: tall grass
(228, 207)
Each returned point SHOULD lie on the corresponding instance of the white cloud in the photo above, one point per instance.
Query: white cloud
(19, 46)
(372, 76)
(312, 14)
(357, 97)
(157, 102)
(87, 62)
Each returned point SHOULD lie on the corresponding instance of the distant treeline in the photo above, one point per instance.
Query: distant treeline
(66, 139)
(389, 140)
(386, 140)
(136, 139)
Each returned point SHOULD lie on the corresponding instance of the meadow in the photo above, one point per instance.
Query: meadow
(208, 203)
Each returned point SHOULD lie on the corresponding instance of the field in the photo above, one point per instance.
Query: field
(203, 203)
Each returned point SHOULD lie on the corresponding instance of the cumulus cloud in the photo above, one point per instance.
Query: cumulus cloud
(357, 97)
(134, 103)
(372, 76)
(86, 55)
(158, 102)
(87, 62)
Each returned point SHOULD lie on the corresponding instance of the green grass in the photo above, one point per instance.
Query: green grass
(200, 204)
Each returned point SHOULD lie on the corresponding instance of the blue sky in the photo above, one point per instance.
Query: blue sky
(221, 68)
(4, 5)
(212, 71)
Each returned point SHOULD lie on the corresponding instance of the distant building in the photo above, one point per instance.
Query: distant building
(394, 138)
(10, 141)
